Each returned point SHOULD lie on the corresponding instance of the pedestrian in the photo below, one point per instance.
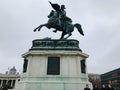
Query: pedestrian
(95, 87)
(103, 87)
(87, 87)
(110, 87)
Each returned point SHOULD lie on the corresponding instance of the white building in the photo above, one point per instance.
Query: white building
(9, 79)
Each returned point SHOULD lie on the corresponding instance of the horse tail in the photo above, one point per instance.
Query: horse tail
(78, 26)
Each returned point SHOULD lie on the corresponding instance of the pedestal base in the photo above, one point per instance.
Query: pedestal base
(54, 65)
(51, 85)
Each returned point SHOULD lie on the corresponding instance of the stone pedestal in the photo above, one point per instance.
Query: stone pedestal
(54, 65)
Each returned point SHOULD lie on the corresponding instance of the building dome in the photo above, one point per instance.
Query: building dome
(12, 70)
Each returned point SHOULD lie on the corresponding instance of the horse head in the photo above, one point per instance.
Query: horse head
(51, 14)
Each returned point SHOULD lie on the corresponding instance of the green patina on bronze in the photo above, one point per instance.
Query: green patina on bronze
(60, 22)
(53, 44)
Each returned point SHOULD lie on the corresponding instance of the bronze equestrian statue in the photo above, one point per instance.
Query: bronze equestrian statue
(60, 22)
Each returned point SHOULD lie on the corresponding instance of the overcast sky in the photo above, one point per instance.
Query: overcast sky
(100, 20)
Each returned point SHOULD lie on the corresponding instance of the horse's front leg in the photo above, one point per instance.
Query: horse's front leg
(39, 27)
(55, 30)
(36, 29)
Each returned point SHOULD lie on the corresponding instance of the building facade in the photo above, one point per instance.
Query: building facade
(112, 77)
(9, 78)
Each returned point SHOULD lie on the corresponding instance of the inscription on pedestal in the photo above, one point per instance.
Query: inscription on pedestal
(53, 66)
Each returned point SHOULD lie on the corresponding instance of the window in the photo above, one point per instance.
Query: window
(53, 66)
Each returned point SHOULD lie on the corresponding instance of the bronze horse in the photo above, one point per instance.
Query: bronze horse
(55, 22)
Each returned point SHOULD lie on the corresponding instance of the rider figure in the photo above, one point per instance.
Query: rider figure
(63, 14)
(63, 18)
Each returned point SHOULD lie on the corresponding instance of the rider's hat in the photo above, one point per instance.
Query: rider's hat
(63, 7)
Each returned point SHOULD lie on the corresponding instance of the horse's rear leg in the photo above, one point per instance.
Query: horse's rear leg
(68, 35)
(62, 36)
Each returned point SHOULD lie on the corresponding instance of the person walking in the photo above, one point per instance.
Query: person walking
(103, 87)
(95, 87)
(110, 87)
(87, 87)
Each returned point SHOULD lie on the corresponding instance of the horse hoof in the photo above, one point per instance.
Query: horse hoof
(38, 29)
(34, 30)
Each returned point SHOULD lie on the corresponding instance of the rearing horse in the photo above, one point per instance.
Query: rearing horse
(55, 22)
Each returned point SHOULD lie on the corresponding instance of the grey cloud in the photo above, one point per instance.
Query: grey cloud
(99, 19)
